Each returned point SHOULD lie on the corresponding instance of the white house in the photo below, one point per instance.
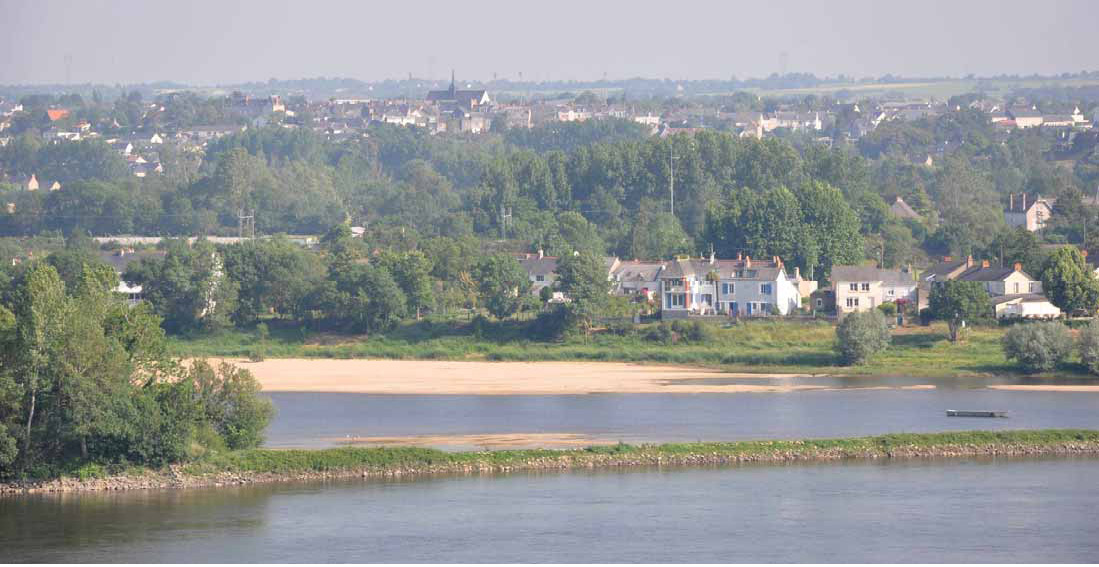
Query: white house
(862, 288)
(1002, 281)
(1027, 306)
(1031, 215)
(741, 287)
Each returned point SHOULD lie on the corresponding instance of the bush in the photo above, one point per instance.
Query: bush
(860, 336)
(1038, 347)
(661, 333)
(550, 325)
(889, 309)
(1089, 346)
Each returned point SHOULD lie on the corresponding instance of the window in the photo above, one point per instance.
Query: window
(765, 289)
(726, 289)
(852, 302)
(1033, 287)
(854, 286)
(675, 282)
(1016, 287)
(820, 303)
(540, 278)
(891, 292)
(866, 286)
(675, 299)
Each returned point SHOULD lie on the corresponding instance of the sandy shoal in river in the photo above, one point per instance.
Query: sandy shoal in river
(504, 378)
(1046, 387)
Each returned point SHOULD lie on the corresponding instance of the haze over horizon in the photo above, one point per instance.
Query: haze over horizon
(207, 42)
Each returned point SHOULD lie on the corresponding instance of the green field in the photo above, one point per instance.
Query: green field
(760, 345)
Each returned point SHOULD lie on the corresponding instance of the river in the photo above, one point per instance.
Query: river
(318, 420)
(969, 510)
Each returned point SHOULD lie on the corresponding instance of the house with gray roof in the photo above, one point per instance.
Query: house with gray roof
(862, 288)
(740, 287)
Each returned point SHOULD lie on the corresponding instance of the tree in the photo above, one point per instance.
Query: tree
(1089, 346)
(1038, 347)
(229, 399)
(412, 271)
(273, 275)
(956, 302)
(502, 282)
(861, 335)
(656, 234)
(582, 277)
(188, 287)
(1068, 283)
(84, 378)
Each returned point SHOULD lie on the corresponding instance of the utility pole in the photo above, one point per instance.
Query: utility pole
(671, 179)
(248, 221)
(505, 218)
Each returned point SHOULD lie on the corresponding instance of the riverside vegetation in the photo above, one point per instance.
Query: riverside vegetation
(86, 382)
(260, 465)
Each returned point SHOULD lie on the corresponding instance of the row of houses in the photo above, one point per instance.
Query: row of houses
(1014, 292)
(687, 286)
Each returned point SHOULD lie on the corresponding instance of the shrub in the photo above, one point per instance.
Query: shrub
(549, 325)
(1089, 346)
(889, 309)
(860, 336)
(1038, 347)
(661, 333)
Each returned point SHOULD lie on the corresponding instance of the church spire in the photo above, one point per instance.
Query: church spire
(452, 83)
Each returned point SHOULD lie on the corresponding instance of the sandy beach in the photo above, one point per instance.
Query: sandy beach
(507, 378)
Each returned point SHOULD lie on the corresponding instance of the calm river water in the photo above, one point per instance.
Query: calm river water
(1041, 510)
(314, 420)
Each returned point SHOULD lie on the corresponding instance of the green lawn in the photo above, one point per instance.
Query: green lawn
(761, 345)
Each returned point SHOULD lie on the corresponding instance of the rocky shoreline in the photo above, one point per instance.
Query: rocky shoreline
(175, 478)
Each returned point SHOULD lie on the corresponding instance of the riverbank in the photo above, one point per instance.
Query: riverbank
(765, 346)
(426, 377)
(266, 465)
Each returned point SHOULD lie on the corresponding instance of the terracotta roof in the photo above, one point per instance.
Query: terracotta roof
(56, 114)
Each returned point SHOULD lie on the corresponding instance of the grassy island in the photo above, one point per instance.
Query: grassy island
(267, 465)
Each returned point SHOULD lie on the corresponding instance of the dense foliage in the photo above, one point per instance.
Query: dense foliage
(86, 379)
(861, 335)
(1038, 347)
(957, 302)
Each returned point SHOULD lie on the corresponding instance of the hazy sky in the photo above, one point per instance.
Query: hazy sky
(218, 42)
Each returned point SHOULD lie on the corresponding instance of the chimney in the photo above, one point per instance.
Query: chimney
(1011, 201)
(747, 261)
(711, 256)
(797, 273)
(541, 253)
(969, 261)
(1018, 266)
(984, 263)
(739, 256)
(948, 258)
(1024, 201)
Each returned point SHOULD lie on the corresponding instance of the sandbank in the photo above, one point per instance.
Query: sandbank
(422, 377)
(1046, 387)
